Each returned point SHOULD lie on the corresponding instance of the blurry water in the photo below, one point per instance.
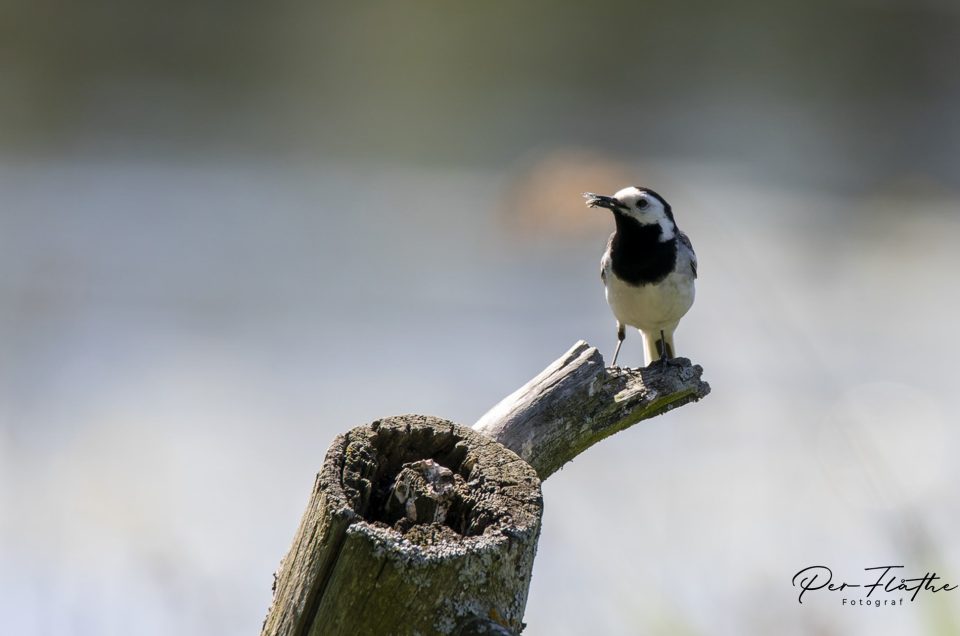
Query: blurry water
(179, 342)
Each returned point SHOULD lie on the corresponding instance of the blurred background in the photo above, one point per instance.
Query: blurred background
(231, 230)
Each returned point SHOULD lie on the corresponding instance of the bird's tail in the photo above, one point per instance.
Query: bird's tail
(654, 343)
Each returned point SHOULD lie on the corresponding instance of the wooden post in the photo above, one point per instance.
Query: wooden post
(419, 526)
(415, 526)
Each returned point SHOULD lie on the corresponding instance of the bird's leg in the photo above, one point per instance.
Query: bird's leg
(666, 353)
(621, 334)
(662, 346)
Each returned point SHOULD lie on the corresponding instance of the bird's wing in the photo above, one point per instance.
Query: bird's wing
(605, 261)
(685, 243)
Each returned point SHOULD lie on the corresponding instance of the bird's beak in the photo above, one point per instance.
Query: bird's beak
(602, 201)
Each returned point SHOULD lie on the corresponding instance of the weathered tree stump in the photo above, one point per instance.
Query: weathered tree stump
(415, 526)
(420, 526)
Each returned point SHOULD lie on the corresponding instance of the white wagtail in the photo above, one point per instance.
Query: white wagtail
(648, 269)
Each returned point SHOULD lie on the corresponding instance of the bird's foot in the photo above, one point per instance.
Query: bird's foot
(664, 363)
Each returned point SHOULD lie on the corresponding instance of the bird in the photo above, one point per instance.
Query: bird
(648, 269)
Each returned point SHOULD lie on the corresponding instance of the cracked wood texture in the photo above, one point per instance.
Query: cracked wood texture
(355, 570)
(576, 402)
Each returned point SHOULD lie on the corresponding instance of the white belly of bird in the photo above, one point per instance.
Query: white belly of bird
(651, 307)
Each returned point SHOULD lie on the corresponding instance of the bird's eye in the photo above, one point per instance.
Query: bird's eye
(642, 204)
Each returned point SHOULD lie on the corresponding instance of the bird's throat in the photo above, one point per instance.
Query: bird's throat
(637, 253)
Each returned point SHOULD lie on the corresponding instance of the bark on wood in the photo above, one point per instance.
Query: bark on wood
(457, 558)
(576, 402)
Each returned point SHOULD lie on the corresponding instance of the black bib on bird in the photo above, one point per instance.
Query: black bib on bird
(637, 254)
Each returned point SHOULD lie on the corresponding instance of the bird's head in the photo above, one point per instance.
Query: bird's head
(642, 205)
